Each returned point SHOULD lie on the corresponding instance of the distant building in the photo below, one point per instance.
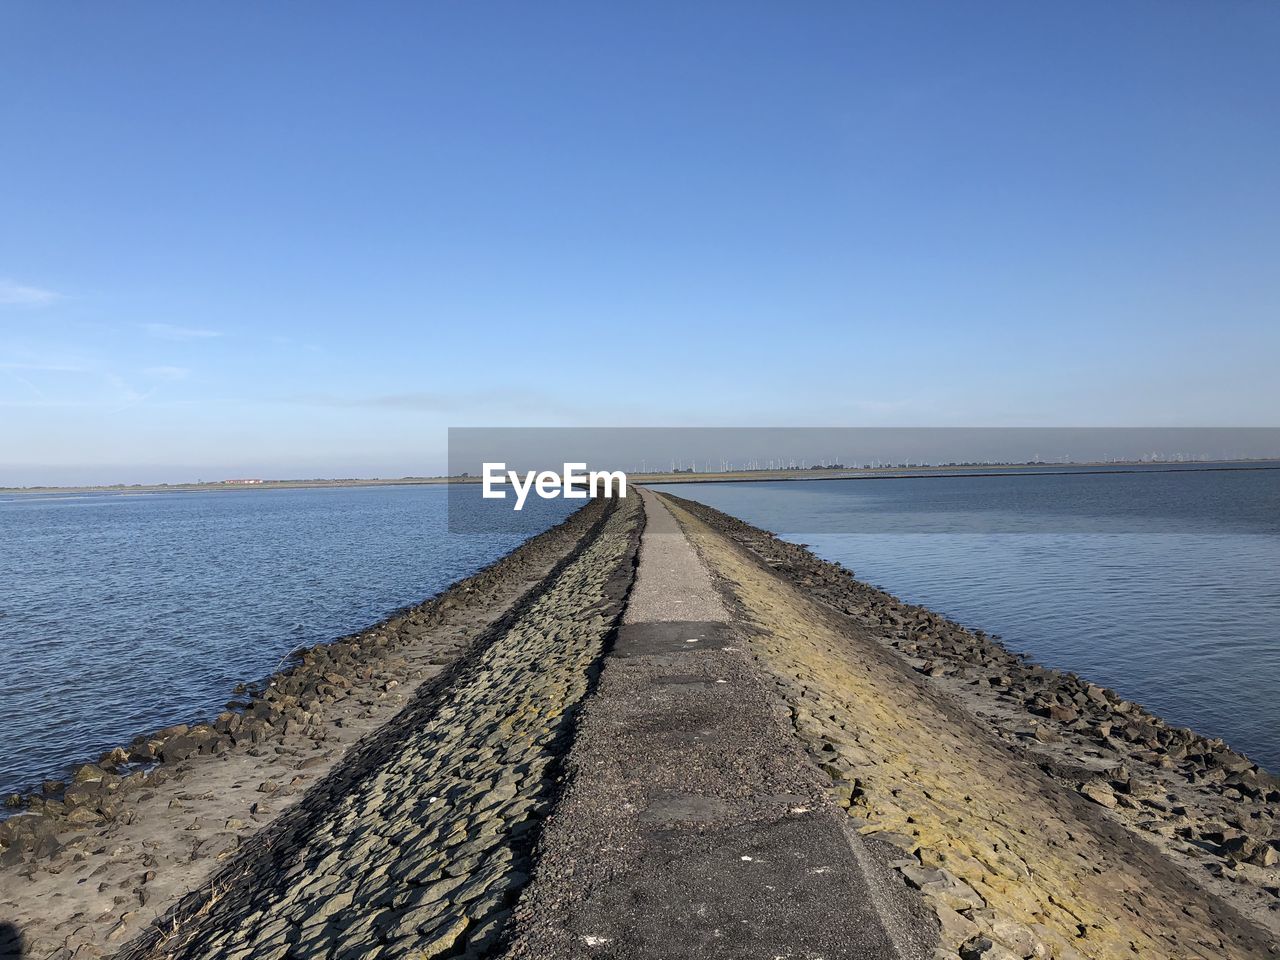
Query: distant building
(241, 482)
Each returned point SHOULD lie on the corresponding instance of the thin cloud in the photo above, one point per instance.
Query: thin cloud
(40, 394)
(167, 373)
(452, 403)
(168, 331)
(881, 406)
(46, 366)
(19, 295)
(126, 395)
(431, 402)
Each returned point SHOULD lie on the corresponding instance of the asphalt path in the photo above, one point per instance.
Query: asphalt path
(695, 824)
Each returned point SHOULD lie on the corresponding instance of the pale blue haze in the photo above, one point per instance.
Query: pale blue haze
(303, 238)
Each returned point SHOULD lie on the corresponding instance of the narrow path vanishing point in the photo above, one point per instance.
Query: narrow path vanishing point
(694, 825)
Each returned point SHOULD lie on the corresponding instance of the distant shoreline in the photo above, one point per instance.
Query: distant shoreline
(823, 473)
(995, 470)
(232, 486)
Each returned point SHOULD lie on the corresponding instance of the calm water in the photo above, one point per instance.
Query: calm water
(123, 613)
(1163, 585)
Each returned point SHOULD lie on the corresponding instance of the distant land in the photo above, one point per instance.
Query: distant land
(834, 472)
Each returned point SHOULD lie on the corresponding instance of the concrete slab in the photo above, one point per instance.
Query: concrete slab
(671, 638)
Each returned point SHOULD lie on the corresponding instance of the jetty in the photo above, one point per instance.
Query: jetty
(654, 731)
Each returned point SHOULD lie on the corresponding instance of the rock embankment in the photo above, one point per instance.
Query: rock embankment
(86, 864)
(1024, 853)
(418, 842)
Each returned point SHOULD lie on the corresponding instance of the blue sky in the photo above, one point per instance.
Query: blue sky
(303, 239)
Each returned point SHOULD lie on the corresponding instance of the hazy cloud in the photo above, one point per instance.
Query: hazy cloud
(432, 402)
(168, 331)
(23, 381)
(19, 295)
(442, 402)
(167, 373)
(126, 395)
(46, 366)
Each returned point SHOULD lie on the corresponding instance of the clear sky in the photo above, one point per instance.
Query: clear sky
(290, 239)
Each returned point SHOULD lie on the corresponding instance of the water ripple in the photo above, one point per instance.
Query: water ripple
(120, 614)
